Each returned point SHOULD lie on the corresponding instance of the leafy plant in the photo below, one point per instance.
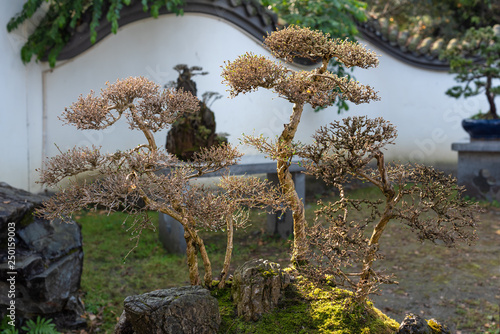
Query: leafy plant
(476, 64)
(62, 17)
(6, 328)
(40, 326)
(318, 87)
(335, 17)
(436, 18)
(147, 178)
(10, 330)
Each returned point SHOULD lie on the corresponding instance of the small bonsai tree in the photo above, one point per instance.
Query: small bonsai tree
(426, 200)
(317, 87)
(147, 178)
(476, 62)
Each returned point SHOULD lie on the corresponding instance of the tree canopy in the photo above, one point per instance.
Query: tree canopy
(437, 18)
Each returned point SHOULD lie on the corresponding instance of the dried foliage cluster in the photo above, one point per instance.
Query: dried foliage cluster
(337, 249)
(147, 178)
(426, 200)
(317, 87)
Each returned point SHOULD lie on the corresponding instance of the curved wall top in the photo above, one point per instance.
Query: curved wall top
(245, 14)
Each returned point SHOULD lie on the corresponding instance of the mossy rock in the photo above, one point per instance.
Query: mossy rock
(305, 309)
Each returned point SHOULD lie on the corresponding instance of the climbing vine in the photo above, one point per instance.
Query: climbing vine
(63, 16)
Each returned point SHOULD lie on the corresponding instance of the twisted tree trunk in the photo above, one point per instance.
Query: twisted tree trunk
(300, 247)
(391, 200)
(229, 251)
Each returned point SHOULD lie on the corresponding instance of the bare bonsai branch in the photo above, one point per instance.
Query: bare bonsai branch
(146, 178)
(317, 87)
(428, 201)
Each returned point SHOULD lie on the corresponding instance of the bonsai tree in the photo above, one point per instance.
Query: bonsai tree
(195, 130)
(317, 87)
(477, 65)
(147, 178)
(429, 202)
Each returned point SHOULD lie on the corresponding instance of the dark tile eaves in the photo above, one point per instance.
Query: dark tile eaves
(246, 14)
(413, 49)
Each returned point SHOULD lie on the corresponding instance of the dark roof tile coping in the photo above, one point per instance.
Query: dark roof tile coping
(412, 48)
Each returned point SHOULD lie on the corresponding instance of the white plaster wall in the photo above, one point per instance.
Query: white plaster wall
(205, 41)
(412, 98)
(21, 104)
(34, 96)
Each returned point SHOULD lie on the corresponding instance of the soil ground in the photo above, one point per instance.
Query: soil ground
(460, 286)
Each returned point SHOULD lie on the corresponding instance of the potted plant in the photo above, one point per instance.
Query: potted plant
(476, 63)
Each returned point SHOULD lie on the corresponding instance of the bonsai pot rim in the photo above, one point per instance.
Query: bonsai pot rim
(482, 129)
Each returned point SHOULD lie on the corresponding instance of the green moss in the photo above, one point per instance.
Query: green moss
(436, 328)
(28, 218)
(305, 309)
(268, 273)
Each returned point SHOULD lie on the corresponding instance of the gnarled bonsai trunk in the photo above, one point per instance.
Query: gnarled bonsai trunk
(194, 245)
(286, 181)
(229, 251)
(192, 259)
(390, 201)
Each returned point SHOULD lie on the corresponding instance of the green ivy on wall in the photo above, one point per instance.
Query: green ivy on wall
(63, 16)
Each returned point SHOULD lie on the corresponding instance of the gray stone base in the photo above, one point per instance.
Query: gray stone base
(479, 168)
(171, 234)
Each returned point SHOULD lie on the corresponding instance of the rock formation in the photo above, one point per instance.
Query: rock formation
(184, 310)
(48, 261)
(195, 131)
(257, 287)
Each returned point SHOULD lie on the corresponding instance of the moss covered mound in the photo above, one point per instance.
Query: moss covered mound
(306, 309)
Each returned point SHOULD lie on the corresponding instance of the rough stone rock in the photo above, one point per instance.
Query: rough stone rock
(48, 260)
(257, 287)
(124, 326)
(184, 310)
(414, 324)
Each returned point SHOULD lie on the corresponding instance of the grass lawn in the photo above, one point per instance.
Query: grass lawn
(459, 287)
(110, 275)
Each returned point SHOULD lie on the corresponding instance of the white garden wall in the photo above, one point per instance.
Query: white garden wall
(20, 106)
(34, 96)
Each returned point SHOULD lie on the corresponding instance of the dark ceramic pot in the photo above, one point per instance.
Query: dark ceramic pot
(485, 129)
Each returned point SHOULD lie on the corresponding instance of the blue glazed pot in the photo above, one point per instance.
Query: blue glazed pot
(486, 129)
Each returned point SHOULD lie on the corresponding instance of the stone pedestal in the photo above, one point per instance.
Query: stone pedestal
(171, 234)
(479, 168)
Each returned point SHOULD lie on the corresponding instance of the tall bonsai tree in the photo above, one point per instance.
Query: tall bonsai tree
(476, 63)
(147, 178)
(317, 87)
